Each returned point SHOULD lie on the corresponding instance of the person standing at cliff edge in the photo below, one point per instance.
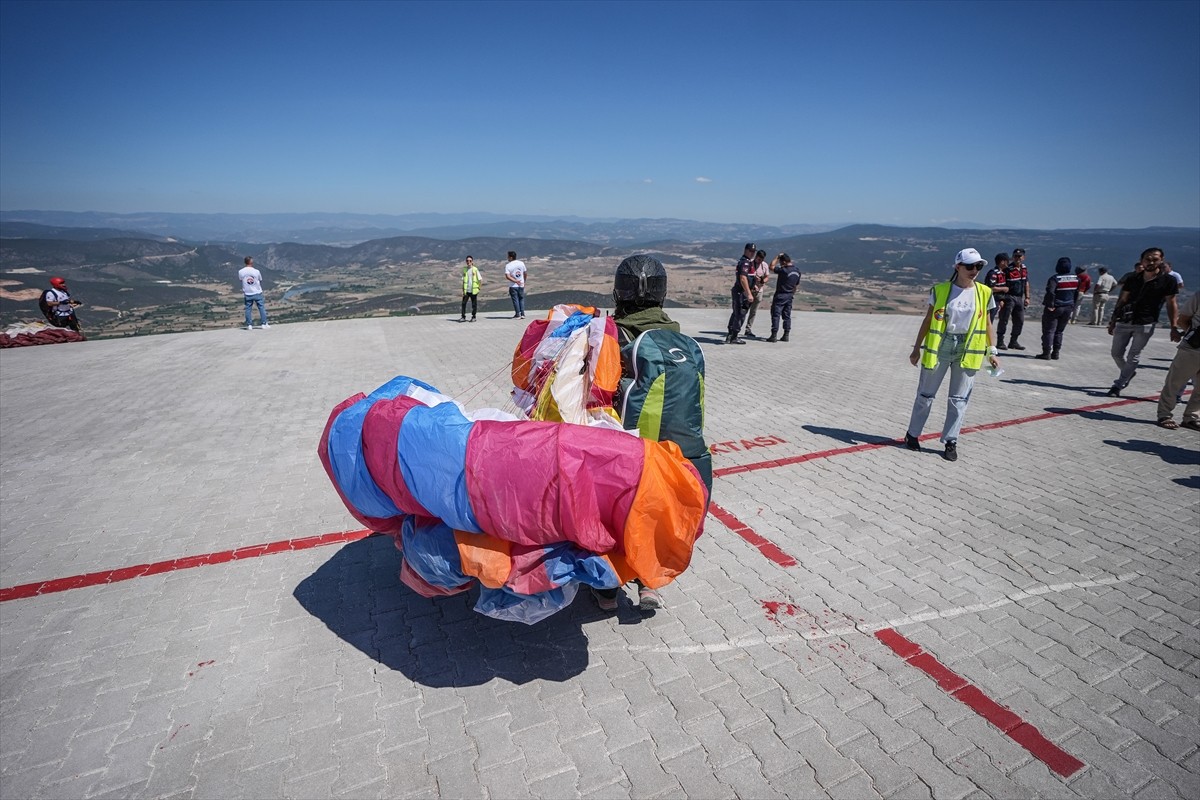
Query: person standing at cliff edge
(471, 281)
(251, 280)
(514, 271)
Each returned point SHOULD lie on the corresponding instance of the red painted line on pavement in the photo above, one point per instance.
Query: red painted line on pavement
(765, 546)
(1009, 723)
(188, 562)
(858, 448)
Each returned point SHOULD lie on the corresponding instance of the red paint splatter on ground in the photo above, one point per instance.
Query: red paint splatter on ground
(200, 666)
(173, 735)
(775, 607)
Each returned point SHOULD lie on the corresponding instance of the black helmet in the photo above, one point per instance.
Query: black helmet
(640, 282)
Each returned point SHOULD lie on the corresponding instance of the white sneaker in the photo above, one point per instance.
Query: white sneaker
(249, 327)
(265, 326)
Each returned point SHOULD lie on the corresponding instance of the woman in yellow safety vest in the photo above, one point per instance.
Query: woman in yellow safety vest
(955, 335)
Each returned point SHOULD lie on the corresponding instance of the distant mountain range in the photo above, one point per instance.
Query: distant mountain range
(876, 251)
(350, 229)
(124, 271)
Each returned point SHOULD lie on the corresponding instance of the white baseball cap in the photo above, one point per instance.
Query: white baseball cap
(970, 256)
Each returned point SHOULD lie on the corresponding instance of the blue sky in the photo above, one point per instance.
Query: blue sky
(1042, 115)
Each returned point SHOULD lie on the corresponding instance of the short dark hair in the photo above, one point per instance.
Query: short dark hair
(512, 255)
(1001, 257)
(247, 260)
(1150, 250)
(469, 258)
(1103, 270)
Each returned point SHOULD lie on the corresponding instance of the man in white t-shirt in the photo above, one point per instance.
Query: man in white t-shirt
(514, 271)
(252, 289)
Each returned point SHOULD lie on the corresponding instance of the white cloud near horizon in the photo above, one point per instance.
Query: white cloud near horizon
(702, 179)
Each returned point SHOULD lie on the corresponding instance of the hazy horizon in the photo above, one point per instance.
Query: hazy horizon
(1045, 115)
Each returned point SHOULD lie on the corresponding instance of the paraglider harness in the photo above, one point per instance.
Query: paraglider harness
(54, 315)
(662, 393)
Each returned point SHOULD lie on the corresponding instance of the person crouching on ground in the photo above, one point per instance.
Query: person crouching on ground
(58, 307)
(1062, 292)
(956, 335)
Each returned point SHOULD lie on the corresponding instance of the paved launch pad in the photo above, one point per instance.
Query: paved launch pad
(188, 611)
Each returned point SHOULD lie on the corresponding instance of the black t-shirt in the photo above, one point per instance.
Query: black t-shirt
(1147, 296)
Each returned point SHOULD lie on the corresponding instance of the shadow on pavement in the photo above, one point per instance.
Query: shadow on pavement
(441, 642)
(1172, 454)
(1100, 416)
(851, 437)
(1093, 390)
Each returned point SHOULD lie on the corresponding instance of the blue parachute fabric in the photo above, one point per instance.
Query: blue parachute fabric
(346, 456)
(509, 606)
(571, 324)
(396, 387)
(349, 469)
(432, 552)
(566, 562)
(432, 451)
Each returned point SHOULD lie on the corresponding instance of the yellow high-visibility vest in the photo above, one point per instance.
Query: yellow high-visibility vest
(977, 341)
(471, 280)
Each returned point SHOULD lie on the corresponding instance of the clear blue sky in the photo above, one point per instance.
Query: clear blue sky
(1042, 114)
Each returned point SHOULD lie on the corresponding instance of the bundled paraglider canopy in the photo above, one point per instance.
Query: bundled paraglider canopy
(527, 508)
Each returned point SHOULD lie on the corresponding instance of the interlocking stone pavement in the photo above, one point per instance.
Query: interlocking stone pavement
(1054, 567)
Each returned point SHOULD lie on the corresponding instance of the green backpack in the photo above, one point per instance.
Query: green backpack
(664, 399)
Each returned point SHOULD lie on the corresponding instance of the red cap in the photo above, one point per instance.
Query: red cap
(58, 283)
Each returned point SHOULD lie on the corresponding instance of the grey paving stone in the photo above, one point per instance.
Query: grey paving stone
(829, 765)
(695, 775)
(593, 765)
(940, 778)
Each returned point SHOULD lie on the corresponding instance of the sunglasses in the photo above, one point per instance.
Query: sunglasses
(975, 267)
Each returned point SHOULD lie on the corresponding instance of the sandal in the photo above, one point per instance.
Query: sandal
(1191, 424)
(1168, 423)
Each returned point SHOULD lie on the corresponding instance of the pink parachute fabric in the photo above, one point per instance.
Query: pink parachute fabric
(527, 509)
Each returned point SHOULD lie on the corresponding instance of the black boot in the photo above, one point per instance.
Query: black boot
(784, 338)
(1044, 356)
(1014, 345)
(773, 337)
(1054, 355)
